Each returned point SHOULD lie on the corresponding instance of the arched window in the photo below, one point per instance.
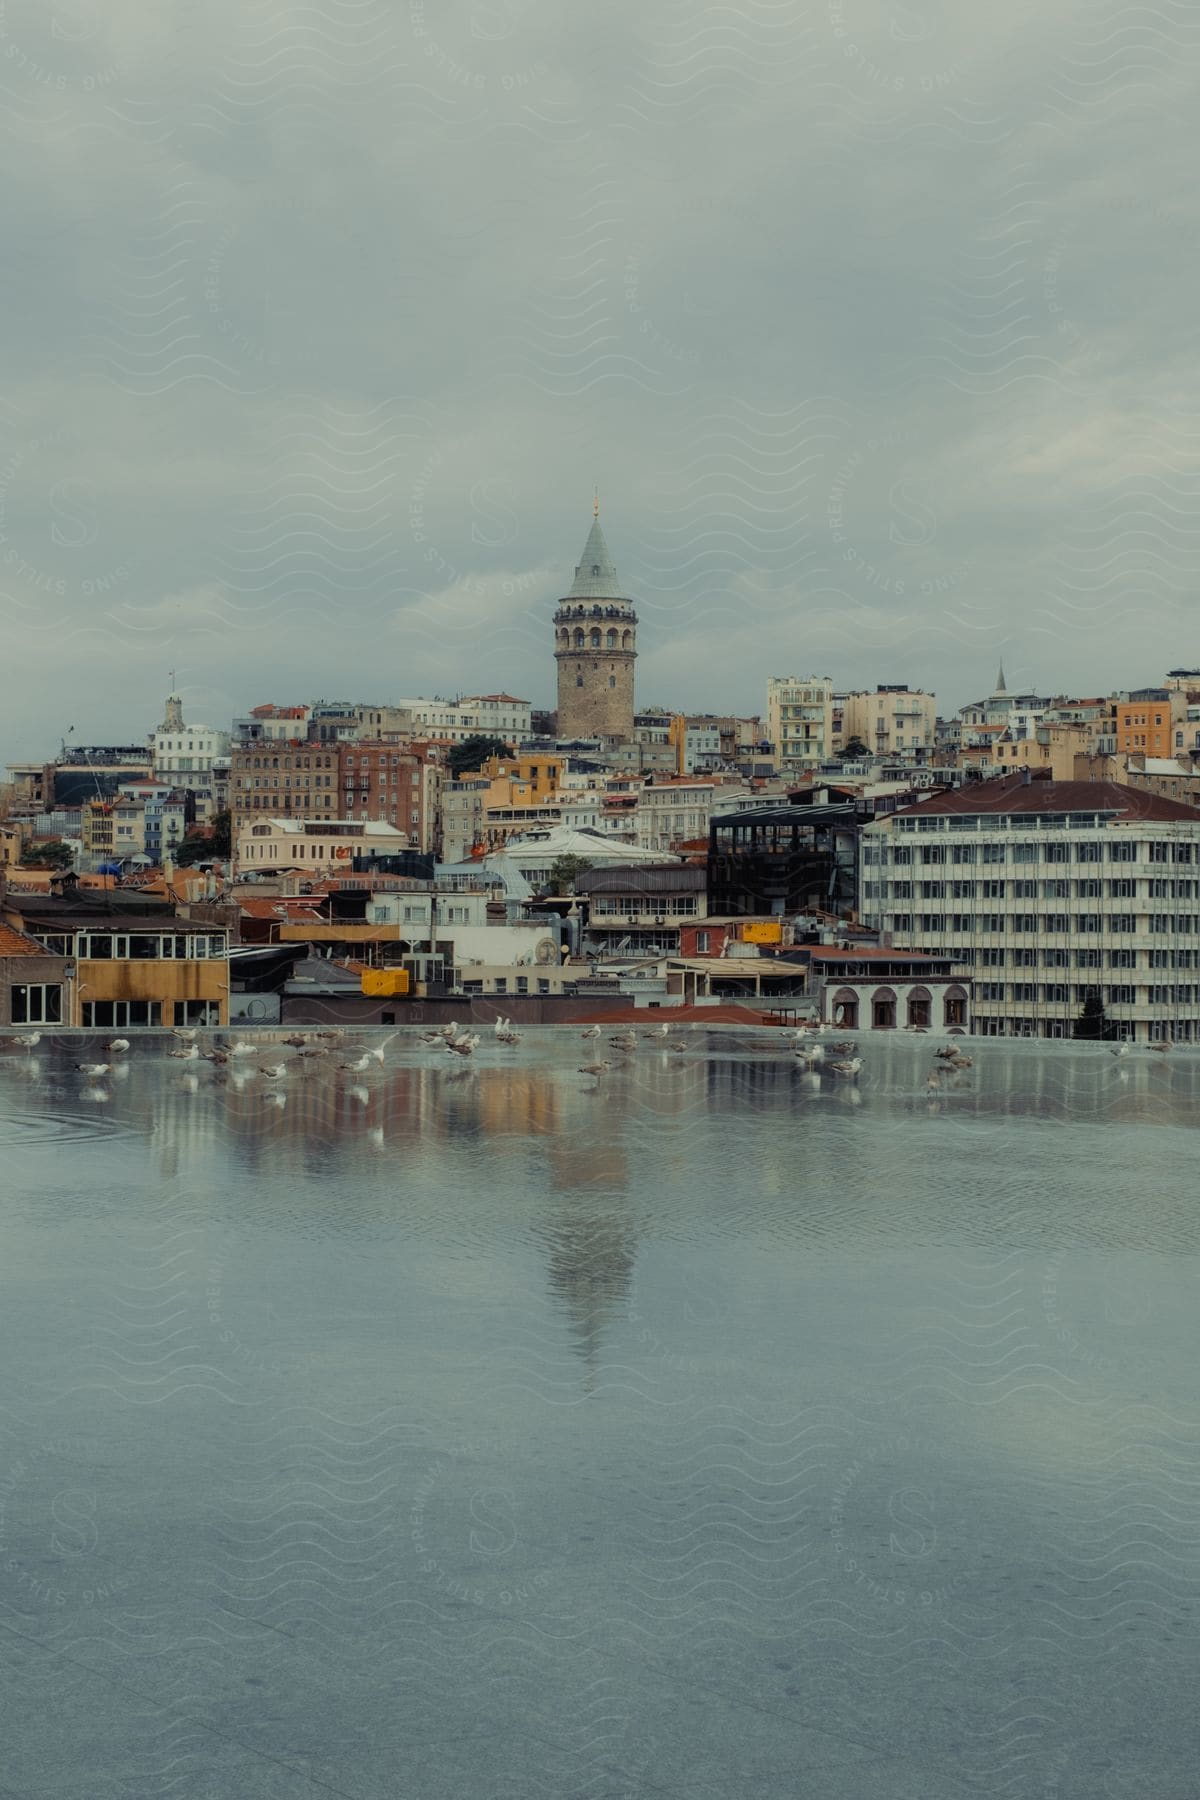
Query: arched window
(579, 638)
(626, 640)
(611, 640)
(579, 681)
(595, 639)
(612, 681)
(883, 1009)
(920, 1007)
(845, 1009)
(595, 568)
(955, 1007)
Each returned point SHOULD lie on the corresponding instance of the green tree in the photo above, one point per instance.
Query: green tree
(854, 751)
(211, 845)
(52, 854)
(563, 871)
(473, 752)
(1093, 1024)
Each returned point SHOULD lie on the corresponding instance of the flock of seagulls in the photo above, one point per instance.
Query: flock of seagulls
(839, 1058)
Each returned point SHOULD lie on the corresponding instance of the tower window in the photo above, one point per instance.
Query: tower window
(579, 681)
(595, 568)
(612, 681)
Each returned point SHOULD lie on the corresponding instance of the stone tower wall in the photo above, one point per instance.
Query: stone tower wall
(597, 709)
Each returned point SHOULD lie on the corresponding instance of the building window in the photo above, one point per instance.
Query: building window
(121, 1012)
(36, 1005)
(200, 1012)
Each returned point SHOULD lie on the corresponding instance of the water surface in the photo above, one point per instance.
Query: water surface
(714, 1429)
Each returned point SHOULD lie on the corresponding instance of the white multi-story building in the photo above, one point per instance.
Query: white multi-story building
(480, 715)
(671, 813)
(800, 720)
(184, 754)
(1052, 892)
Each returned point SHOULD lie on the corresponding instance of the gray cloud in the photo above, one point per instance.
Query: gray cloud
(874, 322)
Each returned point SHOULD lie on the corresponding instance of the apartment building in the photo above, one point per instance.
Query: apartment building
(185, 753)
(800, 720)
(1050, 892)
(321, 846)
(378, 779)
(894, 721)
(277, 776)
(479, 715)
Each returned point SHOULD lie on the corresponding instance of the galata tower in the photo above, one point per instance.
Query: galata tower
(595, 638)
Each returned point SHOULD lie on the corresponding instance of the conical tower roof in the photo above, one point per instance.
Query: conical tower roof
(1000, 687)
(596, 573)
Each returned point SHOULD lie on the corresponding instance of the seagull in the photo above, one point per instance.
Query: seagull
(500, 1025)
(188, 1035)
(626, 1041)
(465, 1045)
(850, 1066)
(598, 1068)
(448, 1032)
(242, 1048)
(593, 1031)
(274, 1070)
(93, 1069)
(377, 1052)
(1118, 1050)
(297, 1042)
(28, 1040)
(191, 1054)
(117, 1046)
(660, 1031)
(334, 1031)
(1161, 1048)
(356, 1068)
(508, 1035)
(220, 1057)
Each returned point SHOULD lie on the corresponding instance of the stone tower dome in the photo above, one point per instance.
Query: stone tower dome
(595, 647)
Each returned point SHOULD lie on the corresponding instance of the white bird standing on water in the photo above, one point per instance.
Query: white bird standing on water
(93, 1069)
(660, 1031)
(242, 1048)
(597, 1068)
(850, 1066)
(377, 1052)
(356, 1068)
(465, 1045)
(191, 1054)
(187, 1035)
(508, 1035)
(593, 1031)
(118, 1046)
(1118, 1050)
(274, 1070)
(28, 1040)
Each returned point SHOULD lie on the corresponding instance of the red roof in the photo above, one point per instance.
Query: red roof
(15, 943)
(1013, 795)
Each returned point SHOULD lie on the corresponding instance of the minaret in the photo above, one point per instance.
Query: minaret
(595, 646)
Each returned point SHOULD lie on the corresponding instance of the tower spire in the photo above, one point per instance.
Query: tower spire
(596, 504)
(1001, 684)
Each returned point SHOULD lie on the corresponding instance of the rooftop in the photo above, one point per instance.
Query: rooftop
(15, 943)
(1013, 795)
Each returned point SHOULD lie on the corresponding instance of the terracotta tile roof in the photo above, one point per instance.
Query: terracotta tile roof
(1012, 795)
(15, 943)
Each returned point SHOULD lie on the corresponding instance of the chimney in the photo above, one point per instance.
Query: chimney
(1026, 775)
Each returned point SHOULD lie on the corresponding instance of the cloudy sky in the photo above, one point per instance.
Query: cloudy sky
(874, 322)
